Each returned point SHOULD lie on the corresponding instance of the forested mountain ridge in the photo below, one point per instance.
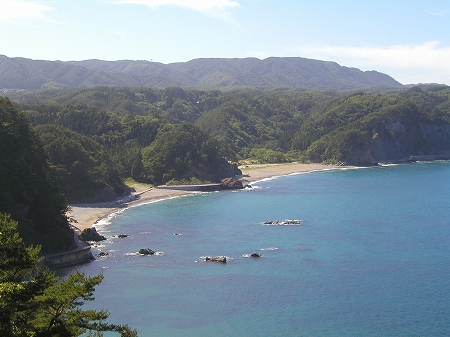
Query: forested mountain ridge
(21, 73)
(266, 126)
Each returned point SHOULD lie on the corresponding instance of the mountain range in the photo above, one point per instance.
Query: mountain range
(28, 74)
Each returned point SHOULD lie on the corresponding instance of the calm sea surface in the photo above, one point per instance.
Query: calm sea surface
(371, 257)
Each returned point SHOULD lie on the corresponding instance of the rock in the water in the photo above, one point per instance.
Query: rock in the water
(230, 184)
(220, 259)
(255, 255)
(146, 251)
(102, 254)
(91, 234)
(121, 236)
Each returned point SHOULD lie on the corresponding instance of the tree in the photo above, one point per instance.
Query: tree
(27, 191)
(34, 302)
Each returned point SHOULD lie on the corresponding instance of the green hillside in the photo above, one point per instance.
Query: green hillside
(85, 142)
(292, 72)
(27, 192)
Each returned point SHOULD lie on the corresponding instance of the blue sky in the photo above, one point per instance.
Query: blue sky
(408, 40)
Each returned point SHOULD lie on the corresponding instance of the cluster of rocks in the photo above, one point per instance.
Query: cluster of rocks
(91, 234)
(223, 259)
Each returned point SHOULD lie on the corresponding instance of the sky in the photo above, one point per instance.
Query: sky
(408, 40)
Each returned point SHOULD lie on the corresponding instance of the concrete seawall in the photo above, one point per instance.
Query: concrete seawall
(193, 188)
(79, 255)
(70, 258)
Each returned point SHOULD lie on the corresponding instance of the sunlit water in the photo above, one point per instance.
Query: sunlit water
(370, 257)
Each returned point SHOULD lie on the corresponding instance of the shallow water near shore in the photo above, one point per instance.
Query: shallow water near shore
(369, 258)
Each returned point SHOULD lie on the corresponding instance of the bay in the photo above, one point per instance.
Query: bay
(370, 257)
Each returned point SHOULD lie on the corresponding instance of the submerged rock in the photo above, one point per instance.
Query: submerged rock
(255, 255)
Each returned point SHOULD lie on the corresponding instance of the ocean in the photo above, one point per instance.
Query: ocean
(370, 257)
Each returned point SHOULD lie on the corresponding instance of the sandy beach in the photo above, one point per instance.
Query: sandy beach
(86, 215)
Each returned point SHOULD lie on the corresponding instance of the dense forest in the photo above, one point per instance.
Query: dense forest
(28, 193)
(257, 125)
(78, 145)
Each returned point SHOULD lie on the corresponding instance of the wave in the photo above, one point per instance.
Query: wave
(286, 222)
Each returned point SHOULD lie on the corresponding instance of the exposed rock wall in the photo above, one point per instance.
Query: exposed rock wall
(399, 141)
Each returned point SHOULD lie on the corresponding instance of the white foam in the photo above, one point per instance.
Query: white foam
(286, 222)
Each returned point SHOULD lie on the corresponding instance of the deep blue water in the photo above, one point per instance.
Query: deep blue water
(370, 258)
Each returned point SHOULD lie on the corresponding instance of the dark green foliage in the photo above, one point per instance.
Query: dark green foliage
(34, 302)
(259, 119)
(260, 125)
(182, 151)
(371, 128)
(80, 166)
(26, 189)
(267, 156)
(122, 136)
(337, 113)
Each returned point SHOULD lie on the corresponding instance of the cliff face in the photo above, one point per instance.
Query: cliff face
(364, 129)
(401, 141)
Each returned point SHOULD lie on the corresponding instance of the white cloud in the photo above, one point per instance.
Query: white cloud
(15, 9)
(426, 62)
(199, 5)
(214, 8)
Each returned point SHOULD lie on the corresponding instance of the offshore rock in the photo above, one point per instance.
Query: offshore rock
(219, 259)
(91, 234)
(255, 255)
(146, 251)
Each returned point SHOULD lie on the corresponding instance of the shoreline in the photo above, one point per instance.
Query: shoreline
(89, 214)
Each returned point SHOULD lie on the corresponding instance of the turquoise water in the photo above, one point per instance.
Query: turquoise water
(370, 258)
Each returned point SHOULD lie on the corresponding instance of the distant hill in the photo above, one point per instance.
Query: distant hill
(21, 73)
